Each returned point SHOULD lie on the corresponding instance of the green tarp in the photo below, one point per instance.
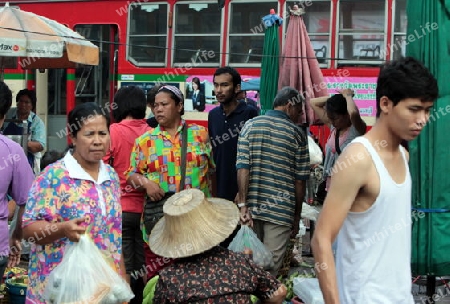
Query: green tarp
(428, 38)
(270, 62)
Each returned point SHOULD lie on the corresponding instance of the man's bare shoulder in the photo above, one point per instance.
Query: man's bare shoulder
(354, 159)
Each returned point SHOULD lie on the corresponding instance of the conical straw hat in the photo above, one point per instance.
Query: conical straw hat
(192, 224)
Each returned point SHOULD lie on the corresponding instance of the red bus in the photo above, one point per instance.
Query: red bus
(145, 41)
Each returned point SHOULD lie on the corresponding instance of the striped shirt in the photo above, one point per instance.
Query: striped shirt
(275, 152)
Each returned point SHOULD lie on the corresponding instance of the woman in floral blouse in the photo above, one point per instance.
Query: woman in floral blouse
(77, 194)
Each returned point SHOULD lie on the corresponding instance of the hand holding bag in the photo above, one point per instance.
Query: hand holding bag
(86, 276)
(246, 238)
(153, 210)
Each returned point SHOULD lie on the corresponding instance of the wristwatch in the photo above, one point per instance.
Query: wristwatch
(240, 205)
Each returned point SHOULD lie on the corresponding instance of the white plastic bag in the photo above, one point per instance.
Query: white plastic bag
(308, 290)
(309, 212)
(84, 276)
(315, 153)
(246, 238)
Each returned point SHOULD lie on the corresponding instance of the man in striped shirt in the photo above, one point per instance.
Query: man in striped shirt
(273, 165)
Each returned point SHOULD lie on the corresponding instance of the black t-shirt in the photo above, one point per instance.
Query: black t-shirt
(224, 132)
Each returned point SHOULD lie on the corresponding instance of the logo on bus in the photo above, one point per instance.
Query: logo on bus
(5, 47)
(8, 47)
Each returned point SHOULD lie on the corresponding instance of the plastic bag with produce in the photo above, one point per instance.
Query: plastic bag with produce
(245, 241)
(84, 276)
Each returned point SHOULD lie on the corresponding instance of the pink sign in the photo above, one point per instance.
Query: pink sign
(364, 88)
(209, 78)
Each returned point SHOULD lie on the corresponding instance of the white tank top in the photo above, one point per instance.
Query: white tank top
(373, 259)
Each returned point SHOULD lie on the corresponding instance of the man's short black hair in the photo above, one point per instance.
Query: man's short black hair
(405, 78)
(229, 70)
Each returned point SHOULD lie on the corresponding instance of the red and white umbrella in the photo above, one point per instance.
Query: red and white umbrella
(42, 42)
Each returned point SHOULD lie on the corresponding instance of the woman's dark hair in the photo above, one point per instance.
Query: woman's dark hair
(30, 94)
(129, 101)
(405, 78)
(336, 105)
(151, 94)
(197, 82)
(174, 96)
(5, 99)
(83, 112)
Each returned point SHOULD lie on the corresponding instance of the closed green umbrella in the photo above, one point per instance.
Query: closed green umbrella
(429, 41)
(270, 61)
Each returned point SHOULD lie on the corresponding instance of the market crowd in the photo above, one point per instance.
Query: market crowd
(162, 199)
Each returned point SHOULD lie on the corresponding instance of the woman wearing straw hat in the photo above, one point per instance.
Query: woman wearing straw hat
(190, 231)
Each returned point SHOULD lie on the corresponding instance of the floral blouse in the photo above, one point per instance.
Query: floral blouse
(62, 192)
(216, 276)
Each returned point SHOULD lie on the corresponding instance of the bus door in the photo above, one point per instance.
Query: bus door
(97, 83)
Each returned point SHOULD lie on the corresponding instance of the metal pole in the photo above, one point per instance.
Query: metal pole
(25, 136)
(431, 288)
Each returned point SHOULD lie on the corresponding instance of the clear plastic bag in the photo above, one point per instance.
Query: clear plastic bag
(84, 276)
(246, 239)
(315, 153)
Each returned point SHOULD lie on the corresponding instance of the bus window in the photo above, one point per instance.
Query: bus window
(197, 33)
(317, 20)
(147, 34)
(398, 45)
(361, 31)
(246, 31)
(94, 83)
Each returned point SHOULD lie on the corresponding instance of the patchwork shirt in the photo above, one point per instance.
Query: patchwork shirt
(157, 156)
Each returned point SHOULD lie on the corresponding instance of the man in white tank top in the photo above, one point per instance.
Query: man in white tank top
(368, 206)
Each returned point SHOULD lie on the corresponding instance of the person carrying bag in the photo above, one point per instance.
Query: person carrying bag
(153, 210)
(158, 160)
